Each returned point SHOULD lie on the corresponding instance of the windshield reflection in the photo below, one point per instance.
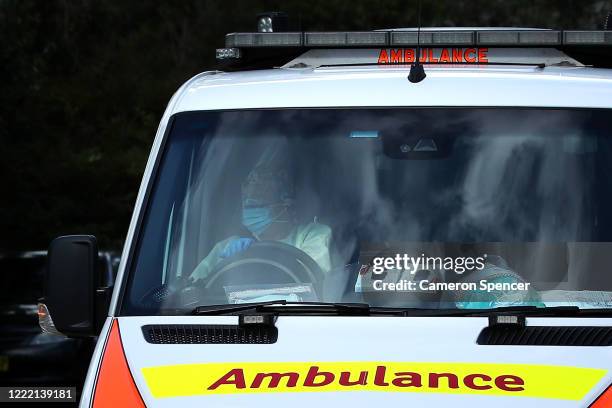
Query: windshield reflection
(504, 207)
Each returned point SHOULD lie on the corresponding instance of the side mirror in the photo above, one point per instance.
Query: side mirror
(74, 301)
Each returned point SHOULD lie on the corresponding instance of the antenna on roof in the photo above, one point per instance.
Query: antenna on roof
(417, 72)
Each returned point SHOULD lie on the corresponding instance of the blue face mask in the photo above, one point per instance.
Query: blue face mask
(258, 219)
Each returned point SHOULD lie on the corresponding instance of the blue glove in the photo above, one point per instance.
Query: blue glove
(235, 246)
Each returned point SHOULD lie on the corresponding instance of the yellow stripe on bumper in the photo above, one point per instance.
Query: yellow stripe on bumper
(520, 380)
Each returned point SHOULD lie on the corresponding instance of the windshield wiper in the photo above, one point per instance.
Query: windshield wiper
(363, 309)
(528, 311)
(295, 308)
(233, 307)
(532, 311)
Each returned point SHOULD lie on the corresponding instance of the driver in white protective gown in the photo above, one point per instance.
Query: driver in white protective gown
(267, 212)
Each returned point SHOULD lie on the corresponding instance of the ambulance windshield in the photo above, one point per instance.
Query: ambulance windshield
(399, 207)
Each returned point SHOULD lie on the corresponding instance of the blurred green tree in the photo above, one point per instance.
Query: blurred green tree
(84, 83)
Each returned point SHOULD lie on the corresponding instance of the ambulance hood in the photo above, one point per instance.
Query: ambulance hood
(334, 361)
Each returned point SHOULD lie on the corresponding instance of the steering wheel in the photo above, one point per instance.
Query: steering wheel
(266, 262)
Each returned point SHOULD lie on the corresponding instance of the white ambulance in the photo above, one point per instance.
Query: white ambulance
(403, 217)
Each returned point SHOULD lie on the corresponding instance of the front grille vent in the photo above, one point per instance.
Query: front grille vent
(510, 335)
(209, 334)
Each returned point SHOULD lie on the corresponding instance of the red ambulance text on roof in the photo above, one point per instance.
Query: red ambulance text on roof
(434, 55)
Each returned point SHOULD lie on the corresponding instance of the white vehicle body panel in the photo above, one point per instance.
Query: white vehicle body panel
(348, 339)
(388, 86)
(312, 339)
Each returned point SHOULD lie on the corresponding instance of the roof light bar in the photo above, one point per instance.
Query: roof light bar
(324, 39)
(587, 37)
(497, 46)
(263, 40)
(353, 38)
(489, 38)
(541, 37)
(498, 37)
(506, 37)
(367, 38)
(409, 38)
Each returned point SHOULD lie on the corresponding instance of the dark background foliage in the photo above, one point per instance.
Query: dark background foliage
(83, 84)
